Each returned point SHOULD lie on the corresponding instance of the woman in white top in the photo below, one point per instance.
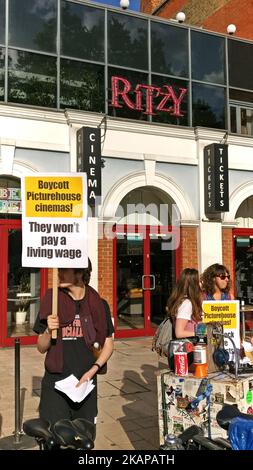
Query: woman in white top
(184, 304)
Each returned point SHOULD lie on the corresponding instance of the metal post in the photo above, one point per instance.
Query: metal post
(17, 432)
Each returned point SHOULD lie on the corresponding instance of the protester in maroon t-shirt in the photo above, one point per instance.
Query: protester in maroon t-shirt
(83, 319)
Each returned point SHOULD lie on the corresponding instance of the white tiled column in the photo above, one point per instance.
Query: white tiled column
(210, 244)
(93, 249)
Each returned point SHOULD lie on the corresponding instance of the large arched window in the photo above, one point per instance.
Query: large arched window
(146, 206)
(244, 214)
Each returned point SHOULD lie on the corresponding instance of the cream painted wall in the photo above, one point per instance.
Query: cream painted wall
(31, 128)
(145, 143)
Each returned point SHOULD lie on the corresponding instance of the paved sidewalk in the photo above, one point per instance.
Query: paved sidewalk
(127, 417)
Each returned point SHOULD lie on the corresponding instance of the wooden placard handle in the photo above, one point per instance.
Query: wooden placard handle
(55, 299)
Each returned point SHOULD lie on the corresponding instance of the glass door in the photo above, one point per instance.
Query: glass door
(243, 262)
(164, 267)
(146, 269)
(130, 268)
(20, 288)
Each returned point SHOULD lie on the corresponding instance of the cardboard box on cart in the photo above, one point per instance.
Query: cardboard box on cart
(175, 393)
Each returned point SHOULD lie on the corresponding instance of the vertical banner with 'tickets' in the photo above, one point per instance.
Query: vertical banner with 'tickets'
(54, 220)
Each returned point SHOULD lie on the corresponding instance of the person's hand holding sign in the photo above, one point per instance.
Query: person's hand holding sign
(52, 323)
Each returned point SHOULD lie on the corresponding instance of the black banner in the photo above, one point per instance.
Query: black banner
(89, 160)
(121, 459)
(216, 178)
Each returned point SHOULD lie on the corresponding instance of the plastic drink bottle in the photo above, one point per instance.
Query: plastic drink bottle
(172, 442)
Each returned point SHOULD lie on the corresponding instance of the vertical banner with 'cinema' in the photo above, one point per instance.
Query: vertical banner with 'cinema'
(54, 220)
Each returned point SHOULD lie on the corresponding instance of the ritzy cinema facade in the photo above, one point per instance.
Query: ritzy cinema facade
(160, 116)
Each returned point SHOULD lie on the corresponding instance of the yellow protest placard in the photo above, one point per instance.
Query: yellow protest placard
(54, 220)
(224, 312)
(53, 196)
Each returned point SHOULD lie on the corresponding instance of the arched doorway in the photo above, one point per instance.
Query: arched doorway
(146, 259)
(20, 287)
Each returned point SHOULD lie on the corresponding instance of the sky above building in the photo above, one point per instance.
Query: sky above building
(134, 4)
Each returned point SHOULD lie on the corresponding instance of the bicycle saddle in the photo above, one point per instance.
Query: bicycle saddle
(67, 434)
(229, 412)
(85, 427)
(190, 432)
(38, 428)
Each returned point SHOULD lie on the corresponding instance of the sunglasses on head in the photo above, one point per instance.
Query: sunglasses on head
(223, 276)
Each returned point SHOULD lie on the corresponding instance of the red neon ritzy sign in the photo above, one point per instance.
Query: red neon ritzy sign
(121, 87)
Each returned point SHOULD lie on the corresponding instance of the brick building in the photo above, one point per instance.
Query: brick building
(214, 16)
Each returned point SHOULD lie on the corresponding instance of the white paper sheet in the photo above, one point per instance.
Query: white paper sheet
(68, 386)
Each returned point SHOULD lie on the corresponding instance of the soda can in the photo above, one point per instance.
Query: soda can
(181, 363)
(174, 346)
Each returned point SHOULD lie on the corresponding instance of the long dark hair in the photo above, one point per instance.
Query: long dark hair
(86, 273)
(208, 278)
(187, 286)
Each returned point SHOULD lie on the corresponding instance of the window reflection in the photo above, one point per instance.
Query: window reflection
(2, 68)
(169, 49)
(129, 282)
(208, 106)
(207, 66)
(233, 119)
(247, 121)
(134, 78)
(241, 119)
(32, 79)
(23, 294)
(32, 24)
(82, 86)
(10, 196)
(178, 87)
(240, 64)
(127, 41)
(2, 21)
(240, 95)
(82, 31)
